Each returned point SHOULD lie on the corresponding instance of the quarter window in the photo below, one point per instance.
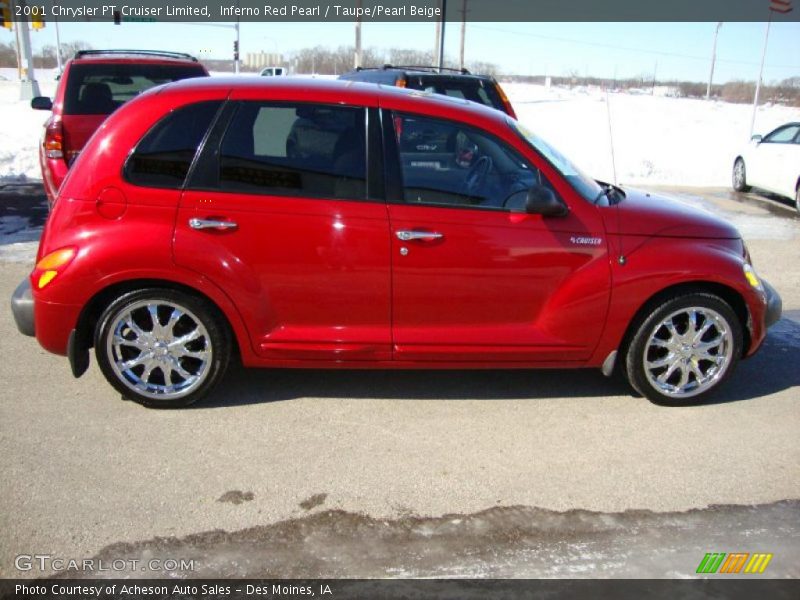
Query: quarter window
(449, 163)
(297, 150)
(163, 157)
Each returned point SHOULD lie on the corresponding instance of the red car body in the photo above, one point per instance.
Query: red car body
(328, 284)
(67, 131)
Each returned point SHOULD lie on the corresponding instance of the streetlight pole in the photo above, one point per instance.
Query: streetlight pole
(713, 60)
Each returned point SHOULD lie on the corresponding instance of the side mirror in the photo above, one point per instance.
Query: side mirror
(542, 201)
(756, 138)
(41, 103)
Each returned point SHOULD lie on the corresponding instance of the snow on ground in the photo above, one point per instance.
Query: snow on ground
(657, 140)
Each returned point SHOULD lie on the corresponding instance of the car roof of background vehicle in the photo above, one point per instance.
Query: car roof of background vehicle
(300, 89)
(422, 70)
(138, 56)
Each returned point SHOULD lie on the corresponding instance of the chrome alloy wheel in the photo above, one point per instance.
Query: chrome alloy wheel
(688, 352)
(159, 349)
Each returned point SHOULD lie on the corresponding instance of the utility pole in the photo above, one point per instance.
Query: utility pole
(760, 74)
(441, 37)
(358, 35)
(437, 41)
(713, 60)
(29, 87)
(463, 33)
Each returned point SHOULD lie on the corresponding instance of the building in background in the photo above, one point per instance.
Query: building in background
(258, 60)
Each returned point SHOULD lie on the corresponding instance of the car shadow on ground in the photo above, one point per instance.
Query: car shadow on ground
(772, 370)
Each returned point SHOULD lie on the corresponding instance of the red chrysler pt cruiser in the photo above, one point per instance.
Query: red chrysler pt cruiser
(347, 225)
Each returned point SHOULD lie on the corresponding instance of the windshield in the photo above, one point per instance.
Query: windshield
(583, 184)
(473, 89)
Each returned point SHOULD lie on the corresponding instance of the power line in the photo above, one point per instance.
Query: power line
(627, 48)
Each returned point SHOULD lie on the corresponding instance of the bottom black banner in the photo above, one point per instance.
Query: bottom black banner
(456, 589)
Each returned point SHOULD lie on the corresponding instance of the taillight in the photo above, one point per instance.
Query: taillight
(401, 82)
(506, 102)
(54, 139)
(52, 265)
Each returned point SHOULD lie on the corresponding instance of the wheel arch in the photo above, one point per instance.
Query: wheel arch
(726, 293)
(93, 309)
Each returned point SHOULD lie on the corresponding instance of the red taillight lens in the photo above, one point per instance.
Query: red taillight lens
(401, 82)
(506, 102)
(52, 265)
(54, 139)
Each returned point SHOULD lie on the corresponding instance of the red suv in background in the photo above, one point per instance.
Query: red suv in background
(94, 84)
(334, 224)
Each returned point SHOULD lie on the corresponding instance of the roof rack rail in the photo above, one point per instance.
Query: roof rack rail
(417, 67)
(82, 53)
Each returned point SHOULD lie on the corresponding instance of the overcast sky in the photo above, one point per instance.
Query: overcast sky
(673, 50)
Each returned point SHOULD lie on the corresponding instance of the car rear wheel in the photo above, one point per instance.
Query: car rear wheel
(684, 349)
(740, 176)
(162, 348)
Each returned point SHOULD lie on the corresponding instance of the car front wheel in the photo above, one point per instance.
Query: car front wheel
(162, 348)
(684, 349)
(740, 176)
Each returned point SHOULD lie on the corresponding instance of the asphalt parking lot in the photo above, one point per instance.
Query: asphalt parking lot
(310, 472)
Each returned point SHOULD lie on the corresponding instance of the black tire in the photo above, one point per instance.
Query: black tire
(652, 337)
(797, 198)
(739, 179)
(204, 358)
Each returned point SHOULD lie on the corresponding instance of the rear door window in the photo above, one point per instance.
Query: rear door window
(295, 150)
(98, 89)
(163, 158)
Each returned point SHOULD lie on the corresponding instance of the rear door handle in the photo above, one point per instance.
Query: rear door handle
(406, 235)
(211, 224)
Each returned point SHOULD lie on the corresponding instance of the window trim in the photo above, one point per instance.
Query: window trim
(208, 165)
(197, 153)
(394, 170)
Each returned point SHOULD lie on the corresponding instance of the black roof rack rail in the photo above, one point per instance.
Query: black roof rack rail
(415, 67)
(81, 53)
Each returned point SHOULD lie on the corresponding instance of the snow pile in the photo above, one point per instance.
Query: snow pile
(657, 139)
(21, 128)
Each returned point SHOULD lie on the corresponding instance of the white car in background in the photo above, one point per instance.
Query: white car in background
(771, 163)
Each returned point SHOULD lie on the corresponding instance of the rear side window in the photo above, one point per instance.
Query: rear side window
(163, 157)
(482, 91)
(296, 150)
(98, 89)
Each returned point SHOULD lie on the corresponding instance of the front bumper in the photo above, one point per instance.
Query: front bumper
(774, 305)
(22, 307)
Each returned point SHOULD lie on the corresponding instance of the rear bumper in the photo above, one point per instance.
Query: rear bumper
(22, 308)
(774, 305)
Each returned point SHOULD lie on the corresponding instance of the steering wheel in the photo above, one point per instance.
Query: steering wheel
(476, 176)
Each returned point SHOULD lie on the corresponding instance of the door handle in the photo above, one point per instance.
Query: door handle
(211, 224)
(405, 235)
